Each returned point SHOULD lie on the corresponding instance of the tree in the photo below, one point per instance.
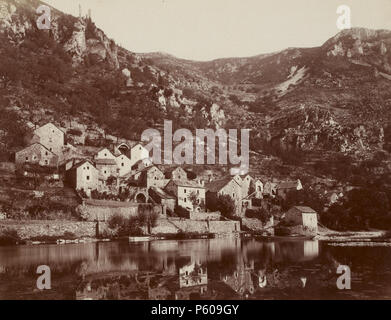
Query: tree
(361, 209)
(147, 217)
(193, 198)
(305, 197)
(223, 203)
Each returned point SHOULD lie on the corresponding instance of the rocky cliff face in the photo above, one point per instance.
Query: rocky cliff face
(18, 16)
(100, 47)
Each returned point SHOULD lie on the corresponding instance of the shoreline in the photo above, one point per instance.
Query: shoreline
(347, 238)
(352, 236)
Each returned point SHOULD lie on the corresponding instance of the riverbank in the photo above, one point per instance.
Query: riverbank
(54, 231)
(356, 236)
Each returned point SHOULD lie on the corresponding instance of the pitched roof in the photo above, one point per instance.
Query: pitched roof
(162, 194)
(304, 209)
(217, 185)
(39, 144)
(77, 165)
(188, 184)
(49, 124)
(105, 148)
(168, 172)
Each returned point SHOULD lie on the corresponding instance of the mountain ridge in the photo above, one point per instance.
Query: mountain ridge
(332, 98)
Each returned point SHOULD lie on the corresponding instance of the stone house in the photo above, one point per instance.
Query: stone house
(176, 174)
(270, 189)
(247, 185)
(227, 186)
(51, 137)
(149, 177)
(161, 197)
(141, 164)
(183, 190)
(83, 176)
(137, 153)
(303, 216)
(104, 153)
(36, 154)
(284, 187)
(68, 164)
(258, 189)
(124, 164)
(106, 168)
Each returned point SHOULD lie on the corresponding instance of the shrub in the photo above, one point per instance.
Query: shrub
(181, 212)
(282, 231)
(260, 214)
(9, 237)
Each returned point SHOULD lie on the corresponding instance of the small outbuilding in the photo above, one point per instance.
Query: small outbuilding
(304, 216)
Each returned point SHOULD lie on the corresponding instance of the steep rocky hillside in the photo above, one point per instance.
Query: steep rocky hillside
(307, 106)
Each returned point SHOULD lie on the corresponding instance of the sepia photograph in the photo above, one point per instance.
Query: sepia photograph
(219, 151)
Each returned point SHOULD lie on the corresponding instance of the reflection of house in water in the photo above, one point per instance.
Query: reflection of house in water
(311, 249)
(193, 281)
(192, 275)
(296, 250)
(241, 280)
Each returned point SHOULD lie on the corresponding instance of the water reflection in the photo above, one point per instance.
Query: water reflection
(193, 269)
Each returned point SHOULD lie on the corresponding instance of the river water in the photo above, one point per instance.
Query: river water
(195, 269)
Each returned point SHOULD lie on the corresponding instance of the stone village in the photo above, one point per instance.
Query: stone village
(121, 178)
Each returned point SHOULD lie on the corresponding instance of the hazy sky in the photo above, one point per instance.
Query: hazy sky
(210, 29)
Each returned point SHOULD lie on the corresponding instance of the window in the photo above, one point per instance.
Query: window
(198, 191)
(233, 195)
(184, 200)
(184, 190)
(46, 162)
(88, 168)
(122, 164)
(27, 158)
(46, 153)
(88, 178)
(105, 154)
(105, 171)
